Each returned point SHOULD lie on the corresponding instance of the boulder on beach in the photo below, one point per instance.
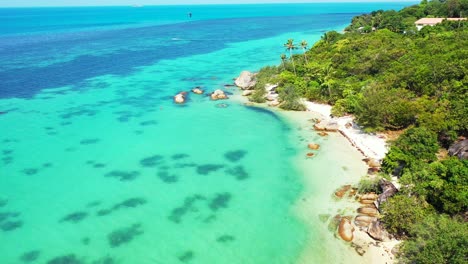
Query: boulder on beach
(218, 95)
(326, 125)
(369, 196)
(247, 92)
(180, 97)
(363, 220)
(373, 163)
(272, 97)
(246, 80)
(368, 210)
(388, 190)
(346, 229)
(273, 103)
(342, 191)
(270, 87)
(322, 133)
(313, 146)
(197, 90)
(376, 231)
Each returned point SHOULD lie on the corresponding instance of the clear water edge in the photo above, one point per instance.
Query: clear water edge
(65, 140)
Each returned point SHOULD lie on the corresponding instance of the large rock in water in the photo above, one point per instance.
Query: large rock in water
(377, 231)
(180, 98)
(246, 80)
(327, 125)
(459, 149)
(218, 95)
(346, 229)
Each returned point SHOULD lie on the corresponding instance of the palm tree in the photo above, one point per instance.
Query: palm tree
(283, 59)
(327, 78)
(290, 46)
(304, 45)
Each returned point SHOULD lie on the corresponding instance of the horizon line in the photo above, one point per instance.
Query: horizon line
(136, 5)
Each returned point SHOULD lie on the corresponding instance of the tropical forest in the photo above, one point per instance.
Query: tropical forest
(393, 77)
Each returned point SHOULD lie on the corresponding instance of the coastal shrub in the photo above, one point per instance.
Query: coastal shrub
(290, 99)
(415, 145)
(438, 240)
(402, 211)
(367, 185)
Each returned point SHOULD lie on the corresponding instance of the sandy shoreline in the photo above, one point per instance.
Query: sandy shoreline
(350, 146)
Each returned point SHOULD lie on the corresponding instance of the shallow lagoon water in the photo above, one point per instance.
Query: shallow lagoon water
(97, 165)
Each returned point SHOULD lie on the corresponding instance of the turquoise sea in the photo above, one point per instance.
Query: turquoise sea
(98, 165)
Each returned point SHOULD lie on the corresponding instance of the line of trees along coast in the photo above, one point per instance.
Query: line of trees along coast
(391, 76)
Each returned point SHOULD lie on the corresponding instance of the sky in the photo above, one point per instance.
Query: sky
(26, 3)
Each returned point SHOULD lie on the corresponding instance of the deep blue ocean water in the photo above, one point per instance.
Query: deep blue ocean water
(97, 165)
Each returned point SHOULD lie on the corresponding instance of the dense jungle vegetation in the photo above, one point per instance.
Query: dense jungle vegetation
(391, 76)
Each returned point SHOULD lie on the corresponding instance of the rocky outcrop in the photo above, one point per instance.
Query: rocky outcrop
(270, 88)
(388, 190)
(218, 95)
(368, 210)
(376, 231)
(459, 149)
(180, 98)
(313, 146)
(341, 192)
(327, 125)
(246, 80)
(197, 90)
(273, 103)
(363, 220)
(322, 133)
(247, 92)
(346, 229)
(272, 97)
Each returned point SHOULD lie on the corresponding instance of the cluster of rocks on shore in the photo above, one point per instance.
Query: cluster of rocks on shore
(367, 217)
(247, 81)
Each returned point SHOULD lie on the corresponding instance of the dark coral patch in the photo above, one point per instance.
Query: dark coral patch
(7, 160)
(105, 260)
(235, 155)
(186, 256)
(30, 171)
(104, 212)
(179, 156)
(3, 202)
(189, 205)
(67, 259)
(89, 141)
(184, 165)
(30, 256)
(93, 204)
(167, 178)
(130, 203)
(208, 168)
(124, 235)
(225, 239)
(74, 217)
(149, 123)
(11, 225)
(123, 175)
(47, 165)
(85, 240)
(6, 215)
(152, 161)
(99, 165)
(238, 172)
(221, 200)
(7, 151)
